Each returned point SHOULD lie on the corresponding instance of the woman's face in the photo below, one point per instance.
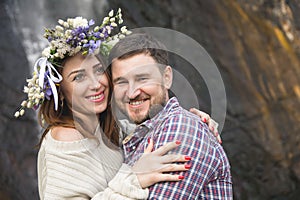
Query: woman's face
(85, 85)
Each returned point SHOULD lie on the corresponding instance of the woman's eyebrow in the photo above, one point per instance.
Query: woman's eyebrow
(76, 71)
(97, 65)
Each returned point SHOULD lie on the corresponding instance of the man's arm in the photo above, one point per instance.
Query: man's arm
(198, 143)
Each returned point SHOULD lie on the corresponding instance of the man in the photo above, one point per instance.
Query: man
(142, 79)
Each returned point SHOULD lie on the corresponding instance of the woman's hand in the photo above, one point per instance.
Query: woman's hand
(151, 168)
(212, 124)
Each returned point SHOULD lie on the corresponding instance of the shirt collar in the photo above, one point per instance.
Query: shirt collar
(160, 116)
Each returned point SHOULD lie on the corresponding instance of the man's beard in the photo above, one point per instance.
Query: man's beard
(154, 109)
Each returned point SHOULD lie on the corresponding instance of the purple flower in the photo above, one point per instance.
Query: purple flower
(92, 45)
(91, 22)
(35, 107)
(48, 93)
(82, 35)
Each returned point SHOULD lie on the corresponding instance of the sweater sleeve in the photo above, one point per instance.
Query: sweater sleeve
(70, 171)
(124, 185)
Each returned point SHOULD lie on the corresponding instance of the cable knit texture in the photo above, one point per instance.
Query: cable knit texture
(84, 169)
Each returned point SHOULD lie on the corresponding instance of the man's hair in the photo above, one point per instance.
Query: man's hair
(138, 43)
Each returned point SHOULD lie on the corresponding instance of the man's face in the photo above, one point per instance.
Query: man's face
(139, 85)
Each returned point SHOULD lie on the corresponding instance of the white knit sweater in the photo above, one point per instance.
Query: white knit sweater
(84, 169)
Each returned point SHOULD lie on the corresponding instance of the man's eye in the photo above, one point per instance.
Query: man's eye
(142, 78)
(121, 82)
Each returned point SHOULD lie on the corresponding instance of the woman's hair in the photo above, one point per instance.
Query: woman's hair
(48, 117)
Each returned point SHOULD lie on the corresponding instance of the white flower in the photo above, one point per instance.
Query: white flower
(68, 33)
(96, 29)
(123, 29)
(66, 25)
(111, 13)
(29, 104)
(108, 29)
(79, 21)
(26, 89)
(46, 52)
(61, 22)
(24, 103)
(105, 20)
(22, 112)
(17, 114)
(59, 28)
(113, 24)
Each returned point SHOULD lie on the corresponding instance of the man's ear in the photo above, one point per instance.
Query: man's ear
(168, 77)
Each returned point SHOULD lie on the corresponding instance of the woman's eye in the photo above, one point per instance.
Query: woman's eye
(78, 77)
(100, 70)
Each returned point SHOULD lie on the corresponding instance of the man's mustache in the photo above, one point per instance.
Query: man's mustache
(140, 97)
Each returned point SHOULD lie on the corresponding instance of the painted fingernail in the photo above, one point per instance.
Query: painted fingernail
(187, 157)
(204, 120)
(187, 166)
(178, 142)
(181, 177)
(148, 140)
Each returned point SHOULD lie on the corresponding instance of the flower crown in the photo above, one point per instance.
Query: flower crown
(68, 38)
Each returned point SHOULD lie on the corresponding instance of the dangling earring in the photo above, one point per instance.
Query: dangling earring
(62, 103)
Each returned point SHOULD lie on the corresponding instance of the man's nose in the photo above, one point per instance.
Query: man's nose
(133, 90)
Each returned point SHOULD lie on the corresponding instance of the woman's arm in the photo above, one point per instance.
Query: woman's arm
(151, 168)
(212, 124)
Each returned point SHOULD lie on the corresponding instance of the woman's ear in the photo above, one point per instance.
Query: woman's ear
(168, 77)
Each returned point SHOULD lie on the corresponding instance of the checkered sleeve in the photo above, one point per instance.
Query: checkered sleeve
(200, 181)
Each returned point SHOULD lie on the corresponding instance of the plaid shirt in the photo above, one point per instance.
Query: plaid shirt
(209, 176)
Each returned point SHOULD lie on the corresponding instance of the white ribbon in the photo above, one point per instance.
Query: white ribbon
(44, 66)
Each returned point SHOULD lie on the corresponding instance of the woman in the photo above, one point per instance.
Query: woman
(79, 156)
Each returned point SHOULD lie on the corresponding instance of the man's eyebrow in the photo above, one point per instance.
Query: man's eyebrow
(142, 75)
(118, 79)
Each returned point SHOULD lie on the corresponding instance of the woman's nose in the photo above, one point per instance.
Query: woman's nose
(95, 83)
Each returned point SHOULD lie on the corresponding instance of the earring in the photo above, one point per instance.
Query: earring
(62, 103)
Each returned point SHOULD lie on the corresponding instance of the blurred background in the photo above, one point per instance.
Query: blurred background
(255, 44)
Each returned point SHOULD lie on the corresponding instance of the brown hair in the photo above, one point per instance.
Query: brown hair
(138, 43)
(63, 115)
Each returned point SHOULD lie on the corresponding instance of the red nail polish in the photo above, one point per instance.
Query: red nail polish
(178, 142)
(187, 157)
(148, 140)
(181, 177)
(204, 120)
(187, 166)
